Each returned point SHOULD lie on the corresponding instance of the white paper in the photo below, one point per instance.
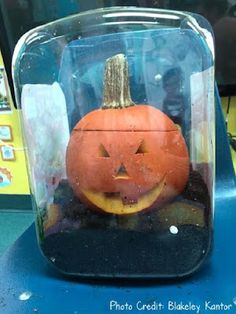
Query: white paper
(47, 135)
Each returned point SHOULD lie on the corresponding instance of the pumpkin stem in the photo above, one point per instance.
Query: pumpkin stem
(116, 83)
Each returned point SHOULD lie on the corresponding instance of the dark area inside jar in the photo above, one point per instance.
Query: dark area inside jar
(163, 242)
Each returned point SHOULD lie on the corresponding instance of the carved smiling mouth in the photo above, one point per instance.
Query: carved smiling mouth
(114, 204)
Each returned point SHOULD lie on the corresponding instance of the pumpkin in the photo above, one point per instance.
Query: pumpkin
(124, 158)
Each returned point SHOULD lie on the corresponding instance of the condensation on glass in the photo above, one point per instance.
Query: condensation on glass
(117, 107)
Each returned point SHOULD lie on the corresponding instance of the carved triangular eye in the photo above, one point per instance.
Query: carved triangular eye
(141, 149)
(102, 152)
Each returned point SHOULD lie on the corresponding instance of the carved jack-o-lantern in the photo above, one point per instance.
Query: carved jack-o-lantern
(124, 158)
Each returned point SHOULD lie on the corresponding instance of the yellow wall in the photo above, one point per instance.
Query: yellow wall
(15, 170)
(231, 120)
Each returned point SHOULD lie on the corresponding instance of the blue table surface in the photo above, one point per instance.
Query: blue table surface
(25, 274)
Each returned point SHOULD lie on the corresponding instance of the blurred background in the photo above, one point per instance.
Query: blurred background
(19, 16)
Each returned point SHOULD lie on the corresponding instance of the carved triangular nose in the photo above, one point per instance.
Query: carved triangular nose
(122, 172)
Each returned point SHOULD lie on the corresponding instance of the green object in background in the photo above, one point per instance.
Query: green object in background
(15, 201)
(12, 224)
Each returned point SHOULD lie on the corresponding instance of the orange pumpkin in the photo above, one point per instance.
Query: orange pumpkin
(127, 159)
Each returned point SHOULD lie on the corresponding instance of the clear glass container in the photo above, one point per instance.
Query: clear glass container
(117, 107)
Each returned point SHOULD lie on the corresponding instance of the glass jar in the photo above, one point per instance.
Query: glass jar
(117, 107)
